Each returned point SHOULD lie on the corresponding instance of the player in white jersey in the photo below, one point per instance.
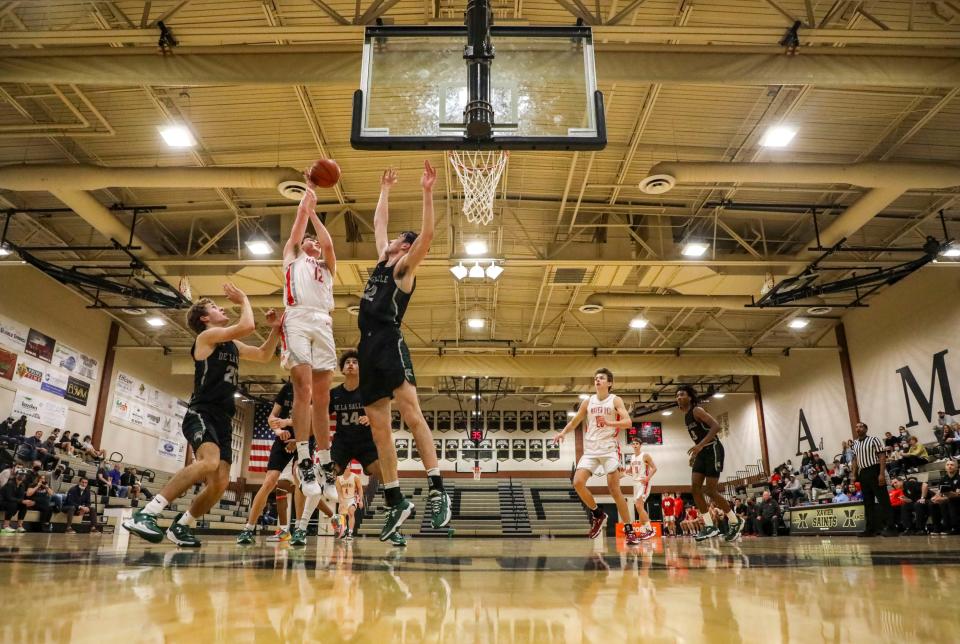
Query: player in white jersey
(350, 491)
(641, 469)
(307, 347)
(606, 416)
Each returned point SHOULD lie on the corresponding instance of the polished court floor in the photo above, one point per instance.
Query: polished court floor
(83, 588)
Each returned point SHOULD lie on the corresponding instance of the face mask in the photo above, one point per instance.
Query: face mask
(839, 491)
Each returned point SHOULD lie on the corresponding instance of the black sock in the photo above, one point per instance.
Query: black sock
(435, 482)
(597, 512)
(628, 527)
(393, 495)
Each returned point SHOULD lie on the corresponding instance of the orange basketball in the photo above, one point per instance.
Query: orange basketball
(325, 173)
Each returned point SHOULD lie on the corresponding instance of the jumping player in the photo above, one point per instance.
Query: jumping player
(642, 468)
(606, 416)
(307, 349)
(386, 368)
(706, 459)
(350, 492)
(207, 425)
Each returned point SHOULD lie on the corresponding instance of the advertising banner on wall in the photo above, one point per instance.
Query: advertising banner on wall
(88, 367)
(29, 373)
(8, 364)
(171, 449)
(78, 391)
(54, 382)
(13, 335)
(65, 357)
(40, 345)
(42, 410)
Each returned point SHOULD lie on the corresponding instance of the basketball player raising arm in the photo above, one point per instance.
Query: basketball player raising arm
(207, 424)
(605, 415)
(386, 371)
(706, 459)
(308, 349)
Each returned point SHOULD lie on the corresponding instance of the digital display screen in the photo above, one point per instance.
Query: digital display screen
(649, 433)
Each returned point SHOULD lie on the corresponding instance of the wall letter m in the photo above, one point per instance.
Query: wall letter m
(911, 386)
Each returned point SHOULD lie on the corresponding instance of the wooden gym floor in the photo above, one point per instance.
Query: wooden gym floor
(87, 588)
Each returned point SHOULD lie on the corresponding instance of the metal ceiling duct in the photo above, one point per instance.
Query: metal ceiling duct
(599, 301)
(44, 177)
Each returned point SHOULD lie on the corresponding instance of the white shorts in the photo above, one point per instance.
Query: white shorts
(599, 464)
(641, 491)
(306, 337)
(351, 502)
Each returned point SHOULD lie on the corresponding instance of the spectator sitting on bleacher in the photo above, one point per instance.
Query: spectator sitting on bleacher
(897, 499)
(853, 492)
(914, 511)
(768, 516)
(951, 440)
(818, 484)
(133, 482)
(690, 524)
(87, 449)
(12, 501)
(840, 497)
(19, 427)
(103, 481)
(57, 486)
(50, 447)
(890, 442)
(945, 504)
(116, 487)
(30, 449)
(78, 503)
(915, 457)
(904, 436)
(39, 494)
(847, 452)
(942, 423)
(793, 490)
(837, 472)
(6, 426)
(65, 445)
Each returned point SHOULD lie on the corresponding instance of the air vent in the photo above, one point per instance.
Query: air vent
(529, 389)
(544, 403)
(570, 276)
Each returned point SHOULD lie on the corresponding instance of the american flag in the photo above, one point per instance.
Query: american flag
(262, 438)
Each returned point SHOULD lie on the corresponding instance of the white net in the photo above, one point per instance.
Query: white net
(479, 172)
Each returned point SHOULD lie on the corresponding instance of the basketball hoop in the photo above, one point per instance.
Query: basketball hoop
(479, 173)
(476, 473)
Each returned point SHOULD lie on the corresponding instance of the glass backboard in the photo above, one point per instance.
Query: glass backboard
(414, 90)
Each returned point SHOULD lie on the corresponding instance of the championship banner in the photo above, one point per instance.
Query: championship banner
(438, 447)
(503, 449)
(493, 421)
(443, 421)
(430, 418)
(836, 518)
(402, 445)
(553, 450)
(450, 447)
(486, 449)
(414, 452)
(543, 421)
(519, 449)
(536, 449)
(509, 421)
(559, 420)
(460, 421)
(526, 421)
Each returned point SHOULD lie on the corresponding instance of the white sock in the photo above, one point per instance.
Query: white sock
(187, 519)
(324, 456)
(248, 527)
(433, 471)
(732, 517)
(646, 525)
(303, 450)
(157, 505)
(310, 504)
(707, 519)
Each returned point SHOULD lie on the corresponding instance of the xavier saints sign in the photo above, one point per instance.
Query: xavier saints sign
(915, 398)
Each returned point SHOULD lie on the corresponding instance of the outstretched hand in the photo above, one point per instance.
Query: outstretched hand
(233, 294)
(389, 178)
(429, 176)
(308, 180)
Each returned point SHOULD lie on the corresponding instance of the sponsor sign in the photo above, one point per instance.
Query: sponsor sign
(88, 367)
(13, 335)
(40, 345)
(65, 357)
(125, 385)
(173, 450)
(78, 391)
(54, 382)
(8, 364)
(28, 373)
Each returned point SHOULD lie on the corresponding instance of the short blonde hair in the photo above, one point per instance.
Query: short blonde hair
(197, 311)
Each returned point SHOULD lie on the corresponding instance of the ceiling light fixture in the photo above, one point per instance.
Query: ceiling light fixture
(475, 247)
(953, 251)
(584, 396)
(156, 321)
(476, 323)
(719, 394)
(668, 413)
(778, 136)
(459, 271)
(259, 247)
(494, 271)
(178, 136)
(798, 323)
(694, 249)
(4, 251)
(638, 323)
(476, 271)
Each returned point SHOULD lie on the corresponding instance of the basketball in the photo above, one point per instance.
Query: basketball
(325, 173)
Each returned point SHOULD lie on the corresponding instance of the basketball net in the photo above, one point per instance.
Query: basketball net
(476, 473)
(184, 288)
(479, 173)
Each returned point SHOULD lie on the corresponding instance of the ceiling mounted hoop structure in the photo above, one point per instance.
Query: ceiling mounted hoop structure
(479, 172)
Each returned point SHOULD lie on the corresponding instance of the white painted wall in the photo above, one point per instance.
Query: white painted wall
(37, 301)
(905, 327)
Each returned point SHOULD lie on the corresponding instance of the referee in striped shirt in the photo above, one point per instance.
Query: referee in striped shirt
(869, 468)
